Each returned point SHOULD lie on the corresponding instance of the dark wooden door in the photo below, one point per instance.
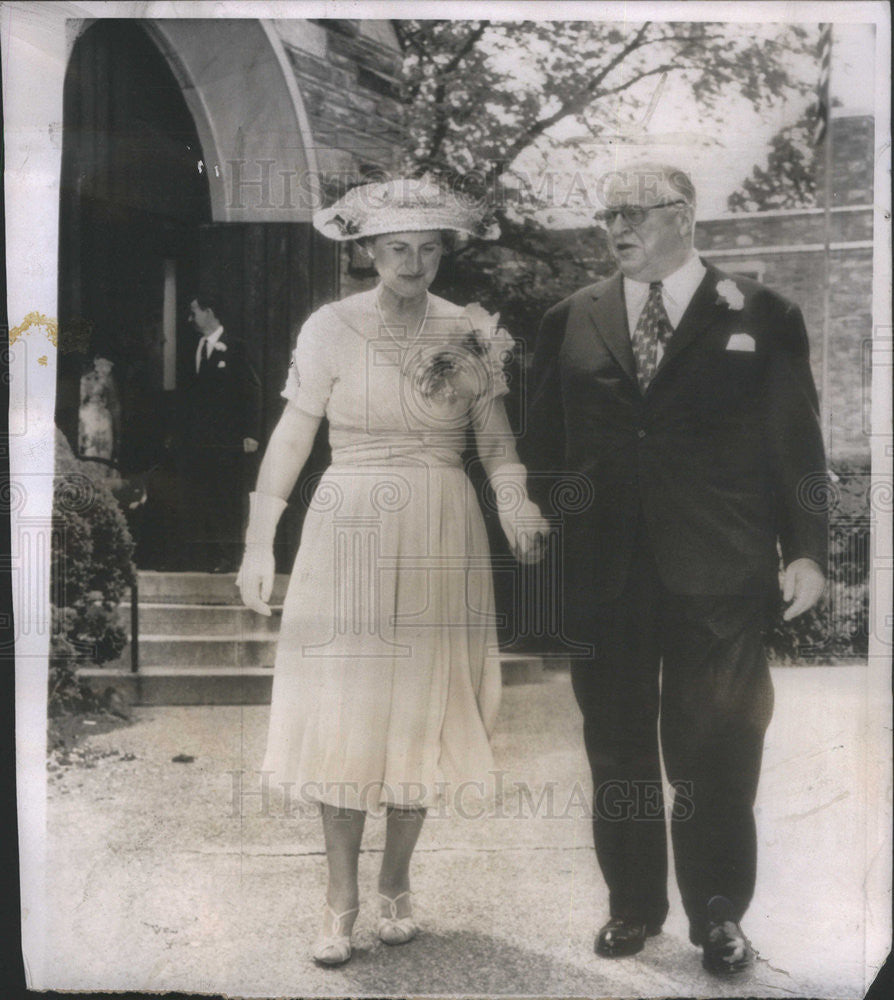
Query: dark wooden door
(131, 202)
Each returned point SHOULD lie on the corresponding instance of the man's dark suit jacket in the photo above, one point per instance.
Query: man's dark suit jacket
(721, 457)
(222, 402)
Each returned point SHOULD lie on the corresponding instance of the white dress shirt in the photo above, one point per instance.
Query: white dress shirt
(210, 339)
(677, 290)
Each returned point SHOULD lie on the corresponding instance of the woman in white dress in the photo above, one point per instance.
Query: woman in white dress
(387, 675)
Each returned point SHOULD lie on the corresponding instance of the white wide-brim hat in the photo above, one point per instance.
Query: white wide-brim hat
(404, 205)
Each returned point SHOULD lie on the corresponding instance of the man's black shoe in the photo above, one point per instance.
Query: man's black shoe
(619, 938)
(726, 949)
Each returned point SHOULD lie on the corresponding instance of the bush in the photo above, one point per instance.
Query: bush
(90, 571)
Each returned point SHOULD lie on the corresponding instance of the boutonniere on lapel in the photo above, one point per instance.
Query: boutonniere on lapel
(729, 293)
(218, 346)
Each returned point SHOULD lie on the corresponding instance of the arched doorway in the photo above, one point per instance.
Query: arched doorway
(189, 162)
(134, 193)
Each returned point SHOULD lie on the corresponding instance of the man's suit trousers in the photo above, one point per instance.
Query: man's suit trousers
(216, 490)
(699, 662)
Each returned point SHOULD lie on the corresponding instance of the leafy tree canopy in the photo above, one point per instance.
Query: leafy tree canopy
(483, 93)
(791, 174)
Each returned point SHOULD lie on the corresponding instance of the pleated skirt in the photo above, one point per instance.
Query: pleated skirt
(387, 675)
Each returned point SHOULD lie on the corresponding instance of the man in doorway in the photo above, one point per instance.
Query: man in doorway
(221, 426)
(684, 395)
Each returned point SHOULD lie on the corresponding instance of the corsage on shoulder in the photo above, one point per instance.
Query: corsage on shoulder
(472, 365)
(488, 339)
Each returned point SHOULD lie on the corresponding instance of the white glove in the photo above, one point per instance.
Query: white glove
(255, 578)
(525, 527)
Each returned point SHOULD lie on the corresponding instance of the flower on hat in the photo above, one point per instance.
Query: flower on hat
(347, 227)
(404, 204)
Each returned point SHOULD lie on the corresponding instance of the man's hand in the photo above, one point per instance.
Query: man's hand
(255, 578)
(802, 586)
(249, 445)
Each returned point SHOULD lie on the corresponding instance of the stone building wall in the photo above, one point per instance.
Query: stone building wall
(853, 144)
(348, 73)
(788, 227)
(799, 277)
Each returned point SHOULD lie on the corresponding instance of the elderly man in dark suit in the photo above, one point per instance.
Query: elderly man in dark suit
(221, 426)
(684, 396)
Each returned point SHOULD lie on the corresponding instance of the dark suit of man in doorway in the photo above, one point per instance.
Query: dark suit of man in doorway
(220, 429)
(685, 397)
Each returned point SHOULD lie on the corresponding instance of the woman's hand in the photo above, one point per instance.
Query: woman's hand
(290, 444)
(255, 578)
(525, 528)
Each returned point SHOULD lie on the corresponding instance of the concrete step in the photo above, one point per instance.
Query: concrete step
(251, 649)
(197, 588)
(163, 686)
(246, 685)
(209, 652)
(176, 619)
(520, 668)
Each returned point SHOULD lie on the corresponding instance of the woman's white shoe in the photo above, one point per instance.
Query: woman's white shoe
(334, 948)
(392, 928)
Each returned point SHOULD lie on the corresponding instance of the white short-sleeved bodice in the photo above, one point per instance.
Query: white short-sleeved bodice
(365, 377)
(387, 675)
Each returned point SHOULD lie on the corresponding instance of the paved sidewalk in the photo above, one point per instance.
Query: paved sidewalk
(156, 882)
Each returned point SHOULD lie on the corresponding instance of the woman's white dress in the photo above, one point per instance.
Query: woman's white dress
(387, 676)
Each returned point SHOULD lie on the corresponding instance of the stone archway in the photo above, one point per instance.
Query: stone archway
(187, 164)
(131, 206)
(237, 83)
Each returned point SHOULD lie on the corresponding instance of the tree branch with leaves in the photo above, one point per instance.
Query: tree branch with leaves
(790, 177)
(481, 92)
(486, 99)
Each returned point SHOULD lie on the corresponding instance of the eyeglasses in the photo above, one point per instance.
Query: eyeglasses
(633, 215)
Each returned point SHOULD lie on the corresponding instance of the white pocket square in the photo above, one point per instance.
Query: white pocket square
(223, 364)
(740, 342)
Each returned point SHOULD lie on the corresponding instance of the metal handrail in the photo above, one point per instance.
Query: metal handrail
(134, 627)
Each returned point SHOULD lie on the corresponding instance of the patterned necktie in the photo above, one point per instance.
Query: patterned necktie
(653, 326)
(204, 353)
